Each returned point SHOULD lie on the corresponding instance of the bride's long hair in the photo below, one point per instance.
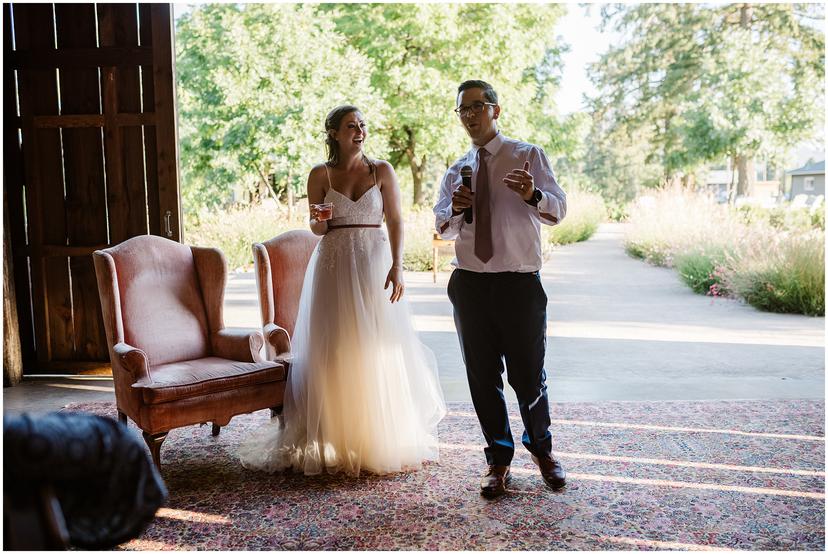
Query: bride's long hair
(332, 123)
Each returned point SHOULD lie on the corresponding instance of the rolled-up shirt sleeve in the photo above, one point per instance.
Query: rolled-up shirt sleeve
(552, 207)
(447, 224)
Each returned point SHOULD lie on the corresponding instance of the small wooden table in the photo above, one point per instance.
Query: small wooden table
(436, 243)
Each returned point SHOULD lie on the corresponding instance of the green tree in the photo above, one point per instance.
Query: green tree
(419, 53)
(255, 82)
(617, 160)
(700, 82)
(766, 91)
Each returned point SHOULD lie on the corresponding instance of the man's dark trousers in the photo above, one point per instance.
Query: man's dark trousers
(502, 316)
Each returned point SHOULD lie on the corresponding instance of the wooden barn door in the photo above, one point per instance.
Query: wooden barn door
(90, 160)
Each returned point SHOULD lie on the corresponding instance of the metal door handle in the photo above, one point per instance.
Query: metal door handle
(167, 226)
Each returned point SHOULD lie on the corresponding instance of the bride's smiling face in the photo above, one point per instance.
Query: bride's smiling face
(352, 132)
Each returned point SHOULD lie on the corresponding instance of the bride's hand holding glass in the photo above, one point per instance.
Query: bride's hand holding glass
(395, 278)
(321, 212)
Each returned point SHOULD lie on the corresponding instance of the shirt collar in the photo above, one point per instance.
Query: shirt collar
(493, 146)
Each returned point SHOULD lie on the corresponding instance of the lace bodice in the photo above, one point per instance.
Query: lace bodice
(367, 209)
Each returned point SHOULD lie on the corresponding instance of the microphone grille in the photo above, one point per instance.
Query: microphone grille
(466, 171)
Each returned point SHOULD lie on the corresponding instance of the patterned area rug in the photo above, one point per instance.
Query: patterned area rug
(642, 476)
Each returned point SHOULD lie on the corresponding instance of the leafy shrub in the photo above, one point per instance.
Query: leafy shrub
(617, 211)
(700, 270)
(784, 217)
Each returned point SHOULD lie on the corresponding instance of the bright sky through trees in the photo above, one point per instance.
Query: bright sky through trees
(579, 29)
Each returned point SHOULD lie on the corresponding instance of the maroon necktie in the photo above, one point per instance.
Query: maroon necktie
(483, 218)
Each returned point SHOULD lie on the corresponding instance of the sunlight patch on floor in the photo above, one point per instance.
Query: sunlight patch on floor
(571, 477)
(80, 387)
(638, 331)
(187, 515)
(147, 545)
(661, 545)
(653, 461)
(643, 426)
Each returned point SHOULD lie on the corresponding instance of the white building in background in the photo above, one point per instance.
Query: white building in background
(767, 187)
(771, 184)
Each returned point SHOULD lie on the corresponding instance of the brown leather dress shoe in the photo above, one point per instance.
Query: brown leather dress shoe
(495, 481)
(552, 472)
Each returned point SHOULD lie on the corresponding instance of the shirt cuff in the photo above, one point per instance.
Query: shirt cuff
(547, 208)
(454, 222)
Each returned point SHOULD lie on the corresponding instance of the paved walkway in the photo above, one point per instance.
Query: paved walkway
(620, 329)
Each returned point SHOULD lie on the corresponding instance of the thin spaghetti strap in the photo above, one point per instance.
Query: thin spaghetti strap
(374, 165)
(330, 186)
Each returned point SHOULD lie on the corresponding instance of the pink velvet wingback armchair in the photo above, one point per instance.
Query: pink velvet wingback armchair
(174, 363)
(280, 271)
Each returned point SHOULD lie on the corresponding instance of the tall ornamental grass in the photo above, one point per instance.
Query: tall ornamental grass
(585, 212)
(670, 223)
(771, 259)
(418, 253)
(234, 230)
(785, 274)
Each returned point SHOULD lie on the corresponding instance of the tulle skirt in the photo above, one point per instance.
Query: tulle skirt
(363, 393)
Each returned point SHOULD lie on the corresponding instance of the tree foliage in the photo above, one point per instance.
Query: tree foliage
(255, 82)
(688, 84)
(420, 53)
(702, 83)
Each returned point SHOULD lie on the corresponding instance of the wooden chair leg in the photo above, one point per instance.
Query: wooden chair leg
(154, 443)
(122, 418)
(216, 429)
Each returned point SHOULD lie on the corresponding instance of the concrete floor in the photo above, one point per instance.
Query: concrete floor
(618, 329)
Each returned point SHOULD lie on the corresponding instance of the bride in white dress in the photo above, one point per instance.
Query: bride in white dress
(363, 392)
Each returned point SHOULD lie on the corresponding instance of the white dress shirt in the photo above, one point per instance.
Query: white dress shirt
(516, 231)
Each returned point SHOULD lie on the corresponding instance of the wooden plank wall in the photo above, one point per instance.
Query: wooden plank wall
(98, 162)
(13, 200)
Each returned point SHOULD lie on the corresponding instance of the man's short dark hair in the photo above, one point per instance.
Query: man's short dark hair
(488, 92)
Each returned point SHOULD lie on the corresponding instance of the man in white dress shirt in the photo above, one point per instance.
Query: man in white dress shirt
(499, 302)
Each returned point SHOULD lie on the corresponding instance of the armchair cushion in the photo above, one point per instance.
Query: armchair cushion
(204, 376)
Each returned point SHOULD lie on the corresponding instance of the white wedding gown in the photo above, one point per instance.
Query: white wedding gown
(363, 392)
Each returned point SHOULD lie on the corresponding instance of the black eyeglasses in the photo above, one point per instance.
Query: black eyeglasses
(473, 108)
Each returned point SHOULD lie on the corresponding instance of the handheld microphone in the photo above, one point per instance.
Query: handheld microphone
(466, 174)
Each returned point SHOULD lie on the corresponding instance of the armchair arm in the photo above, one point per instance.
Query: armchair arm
(278, 340)
(133, 360)
(238, 343)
